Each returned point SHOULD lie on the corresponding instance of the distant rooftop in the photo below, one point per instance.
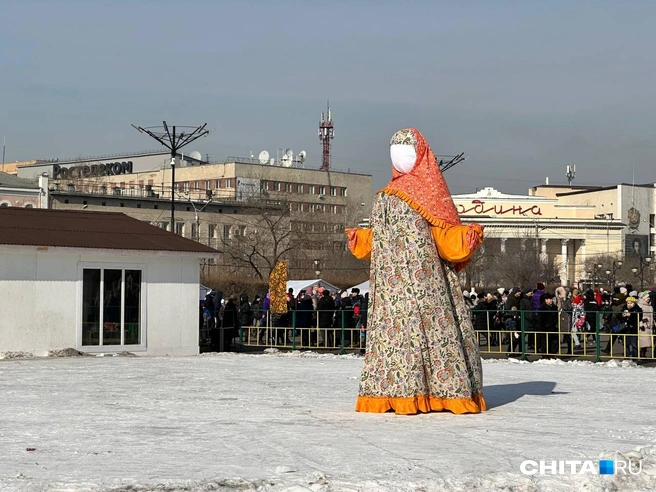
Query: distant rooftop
(11, 181)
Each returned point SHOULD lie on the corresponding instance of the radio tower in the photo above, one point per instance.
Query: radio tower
(326, 134)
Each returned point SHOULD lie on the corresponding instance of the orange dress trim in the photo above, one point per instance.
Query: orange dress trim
(359, 242)
(423, 404)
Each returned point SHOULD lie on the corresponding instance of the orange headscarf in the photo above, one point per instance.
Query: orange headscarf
(424, 186)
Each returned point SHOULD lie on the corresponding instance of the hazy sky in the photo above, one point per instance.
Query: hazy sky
(522, 87)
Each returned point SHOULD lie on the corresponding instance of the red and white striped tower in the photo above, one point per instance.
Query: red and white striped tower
(326, 134)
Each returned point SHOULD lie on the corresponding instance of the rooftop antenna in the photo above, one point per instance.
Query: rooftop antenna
(571, 172)
(326, 134)
(174, 141)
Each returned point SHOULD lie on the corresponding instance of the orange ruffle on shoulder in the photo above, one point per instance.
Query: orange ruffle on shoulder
(359, 242)
(455, 243)
(420, 404)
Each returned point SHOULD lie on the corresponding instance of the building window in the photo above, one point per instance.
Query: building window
(112, 306)
(196, 185)
(322, 190)
(179, 228)
(194, 231)
(208, 185)
(103, 203)
(185, 186)
(228, 183)
(333, 209)
(288, 187)
(299, 188)
(154, 206)
(138, 205)
(311, 207)
(242, 231)
(276, 186)
(217, 185)
(333, 191)
(226, 232)
(342, 192)
(164, 225)
(211, 231)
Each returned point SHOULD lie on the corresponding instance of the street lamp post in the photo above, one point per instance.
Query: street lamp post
(644, 262)
(595, 273)
(613, 271)
(317, 270)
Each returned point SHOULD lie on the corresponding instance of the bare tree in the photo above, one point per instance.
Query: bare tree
(259, 241)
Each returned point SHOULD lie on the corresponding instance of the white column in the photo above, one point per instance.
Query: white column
(580, 262)
(543, 250)
(503, 244)
(564, 280)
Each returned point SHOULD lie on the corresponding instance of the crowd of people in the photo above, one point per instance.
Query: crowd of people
(311, 313)
(565, 317)
(549, 320)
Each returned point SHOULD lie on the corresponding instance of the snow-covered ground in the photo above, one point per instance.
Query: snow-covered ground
(287, 422)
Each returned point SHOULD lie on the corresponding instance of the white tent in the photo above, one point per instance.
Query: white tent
(364, 287)
(299, 285)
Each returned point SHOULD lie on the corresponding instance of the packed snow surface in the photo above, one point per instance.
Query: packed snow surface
(286, 422)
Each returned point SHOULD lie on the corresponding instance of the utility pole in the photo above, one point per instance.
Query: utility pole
(174, 142)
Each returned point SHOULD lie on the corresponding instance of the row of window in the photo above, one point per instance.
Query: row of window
(303, 188)
(317, 227)
(320, 208)
(207, 184)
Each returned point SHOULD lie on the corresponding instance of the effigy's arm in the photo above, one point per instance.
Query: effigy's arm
(359, 242)
(457, 244)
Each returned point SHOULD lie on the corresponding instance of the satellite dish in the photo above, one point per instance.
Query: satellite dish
(272, 161)
(289, 153)
(196, 155)
(301, 156)
(286, 162)
(263, 157)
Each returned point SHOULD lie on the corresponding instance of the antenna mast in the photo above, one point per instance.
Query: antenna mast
(571, 172)
(174, 141)
(326, 134)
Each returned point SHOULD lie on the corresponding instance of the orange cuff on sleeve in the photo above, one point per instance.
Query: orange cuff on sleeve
(359, 242)
(457, 244)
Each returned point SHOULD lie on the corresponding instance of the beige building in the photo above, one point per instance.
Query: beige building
(228, 205)
(572, 225)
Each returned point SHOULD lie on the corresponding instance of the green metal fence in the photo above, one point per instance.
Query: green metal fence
(525, 339)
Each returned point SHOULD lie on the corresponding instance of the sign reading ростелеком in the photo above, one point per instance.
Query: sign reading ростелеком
(87, 171)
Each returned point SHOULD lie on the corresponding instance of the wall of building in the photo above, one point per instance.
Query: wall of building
(39, 309)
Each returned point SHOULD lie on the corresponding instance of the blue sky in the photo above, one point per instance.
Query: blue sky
(522, 87)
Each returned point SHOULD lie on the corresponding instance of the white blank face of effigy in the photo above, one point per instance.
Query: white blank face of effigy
(403, 157)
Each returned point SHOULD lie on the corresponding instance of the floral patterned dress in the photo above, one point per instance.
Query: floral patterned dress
(421, 352)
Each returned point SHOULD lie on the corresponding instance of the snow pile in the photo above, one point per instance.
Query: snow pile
(67, 352)
(16, 355)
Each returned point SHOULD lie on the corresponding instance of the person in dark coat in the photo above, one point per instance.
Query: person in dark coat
(548, 342)
(304, 312)
(591, 308)
(481, 315)
(326, 315)
(528, 315)
(230, 323)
